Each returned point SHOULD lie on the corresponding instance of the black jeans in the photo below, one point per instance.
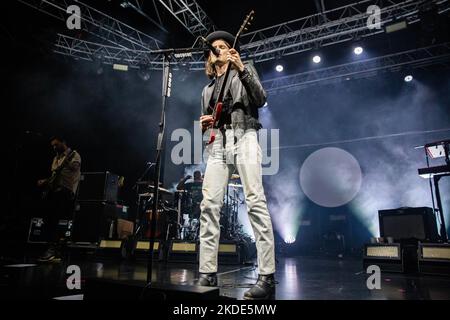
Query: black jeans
(60, 205)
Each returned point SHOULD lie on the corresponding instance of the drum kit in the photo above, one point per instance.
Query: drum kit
(179, 215)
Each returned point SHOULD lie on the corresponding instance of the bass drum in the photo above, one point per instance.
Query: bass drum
(194, 199)
(166, 224)
(191, 233)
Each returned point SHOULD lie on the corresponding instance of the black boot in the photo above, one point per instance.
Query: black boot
(52, 254)
(264, 288)
(207, 280)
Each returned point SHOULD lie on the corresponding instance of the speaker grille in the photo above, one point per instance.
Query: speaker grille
(404, 226)
(110, 244)
(145, 245)
(436, 253)
(227, 248)
(190, 247)
(383, 251)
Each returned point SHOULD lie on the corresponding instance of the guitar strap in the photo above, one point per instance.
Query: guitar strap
(225, 120)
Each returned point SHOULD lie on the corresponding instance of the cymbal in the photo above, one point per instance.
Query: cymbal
(161, 190)
(150, 183)
(235, 185)
(146, 194)
(235, 176)
(194, 183)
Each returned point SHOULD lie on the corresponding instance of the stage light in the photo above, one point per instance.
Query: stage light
(144, 74)
(409, 78)
(120, 67)
(358, 50)
(279, 68)
(125, 4)
(289, 240)
(396, 26)
(316, 59)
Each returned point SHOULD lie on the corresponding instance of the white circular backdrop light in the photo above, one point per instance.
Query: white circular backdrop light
(330, 177)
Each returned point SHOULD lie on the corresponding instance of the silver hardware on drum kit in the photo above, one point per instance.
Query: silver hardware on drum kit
(181, 211)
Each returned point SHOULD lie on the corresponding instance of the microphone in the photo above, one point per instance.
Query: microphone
(33, 133)
(210, 47)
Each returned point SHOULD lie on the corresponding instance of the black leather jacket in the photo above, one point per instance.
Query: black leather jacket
(244, 95)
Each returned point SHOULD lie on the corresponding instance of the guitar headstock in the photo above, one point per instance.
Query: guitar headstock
(244, 27)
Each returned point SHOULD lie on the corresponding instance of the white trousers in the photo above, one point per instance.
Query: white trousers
(246, 157)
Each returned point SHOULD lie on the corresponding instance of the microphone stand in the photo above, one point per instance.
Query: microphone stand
(166, 90)
(149, 165)
(139, 214)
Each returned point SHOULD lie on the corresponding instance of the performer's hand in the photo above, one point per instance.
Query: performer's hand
(234, 57)
(41, 182)
(206, 120)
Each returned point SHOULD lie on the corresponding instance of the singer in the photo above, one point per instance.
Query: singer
(236, 147)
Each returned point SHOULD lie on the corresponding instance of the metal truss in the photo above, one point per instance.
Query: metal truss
(109, 30)
(121, 43)
(92, 51)
(345, 23)
(190, 15)
(437, 54)
(137, 5)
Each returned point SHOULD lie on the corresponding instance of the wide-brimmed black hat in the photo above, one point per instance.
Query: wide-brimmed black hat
(223, 35)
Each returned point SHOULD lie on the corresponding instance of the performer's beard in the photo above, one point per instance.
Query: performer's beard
(59, 150)
(219, 63)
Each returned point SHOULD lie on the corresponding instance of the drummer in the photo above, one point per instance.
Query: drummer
(197, 178)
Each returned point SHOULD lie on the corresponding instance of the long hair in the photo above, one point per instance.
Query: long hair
(210, 69)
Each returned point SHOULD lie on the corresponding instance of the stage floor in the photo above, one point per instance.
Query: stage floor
(298, 278)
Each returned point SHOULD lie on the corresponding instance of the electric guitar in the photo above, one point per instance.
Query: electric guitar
(219, 103)
(50, 183)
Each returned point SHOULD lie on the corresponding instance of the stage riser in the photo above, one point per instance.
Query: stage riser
(106, 289)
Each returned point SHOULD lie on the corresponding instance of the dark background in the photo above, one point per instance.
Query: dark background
(112, 117)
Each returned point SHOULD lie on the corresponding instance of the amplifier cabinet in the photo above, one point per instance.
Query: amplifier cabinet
(408, 224)
(98, 186)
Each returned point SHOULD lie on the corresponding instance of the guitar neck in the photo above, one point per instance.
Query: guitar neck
(224, 84)
(66, 160)
(227, 72)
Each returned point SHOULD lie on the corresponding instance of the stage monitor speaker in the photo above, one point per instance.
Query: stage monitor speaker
(94, 221)
(393, 257)
(98, 186)
(403, 224)
(182, 251)
(109, 249)
(434, 258)
(229, 253)
(108, 289)
(142, 247)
